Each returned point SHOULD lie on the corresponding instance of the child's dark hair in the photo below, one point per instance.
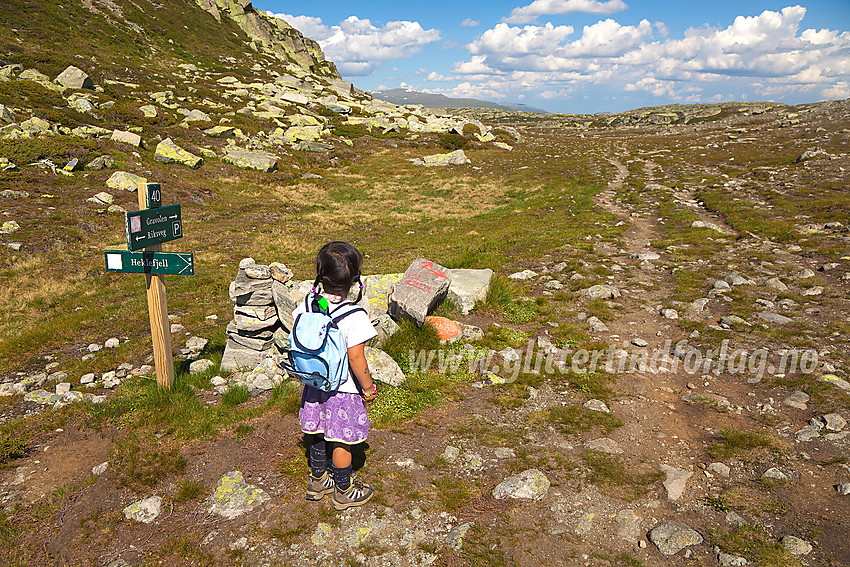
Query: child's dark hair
(338, 267)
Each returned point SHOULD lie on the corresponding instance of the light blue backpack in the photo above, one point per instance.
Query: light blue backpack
(318, 356)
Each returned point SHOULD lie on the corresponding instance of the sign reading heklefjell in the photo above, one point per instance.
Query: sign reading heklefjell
(148, 227)
(175, 263)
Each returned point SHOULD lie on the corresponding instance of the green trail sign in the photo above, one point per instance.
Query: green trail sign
(175, 263)
(148, 227)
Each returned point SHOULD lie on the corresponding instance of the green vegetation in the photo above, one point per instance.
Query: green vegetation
(617, 478)
(734, 443)
(755, 544)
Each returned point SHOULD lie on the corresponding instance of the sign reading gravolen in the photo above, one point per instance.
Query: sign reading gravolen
(148, 227)
(175, 263)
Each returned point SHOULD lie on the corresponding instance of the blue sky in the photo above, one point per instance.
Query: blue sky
(587, 55)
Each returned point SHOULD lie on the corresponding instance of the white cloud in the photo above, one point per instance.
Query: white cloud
(358, 47)
(470, 23)
(768, 51)
(529, 14)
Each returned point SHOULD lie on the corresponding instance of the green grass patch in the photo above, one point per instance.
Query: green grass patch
(410, 338)
(139, 465)
(418, 392)
(755, 544)
(454, 493)
(738, 444)
(188, 489)
(618, 478)
(235, 395)
(572, 420)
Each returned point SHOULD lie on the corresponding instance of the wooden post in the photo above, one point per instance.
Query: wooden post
(158, 311)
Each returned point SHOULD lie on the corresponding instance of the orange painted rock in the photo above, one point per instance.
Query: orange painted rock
(446, 329)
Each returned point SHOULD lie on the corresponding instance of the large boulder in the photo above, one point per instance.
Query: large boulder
(423, 285)
(127, 138)
(74, 78)
(169, 152)
(456, 157)
(251, 159)
(124, 180)
(383, 368)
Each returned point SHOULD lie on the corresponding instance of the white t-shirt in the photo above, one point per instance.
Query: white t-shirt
(355, 328)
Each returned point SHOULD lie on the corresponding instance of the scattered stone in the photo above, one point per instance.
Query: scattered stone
(843, 488)
(251, 159)
(102, 198)
(638, 342)
(127, 138)
(74, 78)
(596, 325)
(9, 227)
(812, 153)
(200, 366)
(675, 481)
(803, 274)
(454, 539)
(383, 368)
(817, 290)
(728, 560)
(833, 379)
(530, 484)
(523, 275)
(196, 115)
(776, 284)
(737, 279)
(669, 313)
(708, 225)
(601, 292)
(234, 497)
(719, 468)
(671, 537)
(457, 157)
(144, 511)
(597, 405)
(698, 306)
(98, 470)
(604, 445)
(774, 473)
(795, 545)
(646, 255)
(834, 422)
(87, 378)
(101, 162)
(774, 318)
(797, 400)
(124, 181)
(732, 321)
(169, 152)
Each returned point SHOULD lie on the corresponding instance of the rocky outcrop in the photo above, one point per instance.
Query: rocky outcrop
(273, 35)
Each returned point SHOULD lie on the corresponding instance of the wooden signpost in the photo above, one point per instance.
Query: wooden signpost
(147, 229)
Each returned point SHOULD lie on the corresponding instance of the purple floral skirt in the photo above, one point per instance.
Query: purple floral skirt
(340, 417)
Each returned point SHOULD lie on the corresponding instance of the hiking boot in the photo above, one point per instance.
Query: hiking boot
(318, 487)
(356, 495)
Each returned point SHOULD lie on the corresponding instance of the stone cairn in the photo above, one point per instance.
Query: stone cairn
(250, 335)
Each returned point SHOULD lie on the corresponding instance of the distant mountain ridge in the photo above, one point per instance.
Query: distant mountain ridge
(429, 100)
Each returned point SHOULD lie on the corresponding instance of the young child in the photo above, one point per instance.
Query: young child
(333, 421)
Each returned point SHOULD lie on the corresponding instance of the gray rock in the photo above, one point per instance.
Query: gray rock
(601, 292)
(523, 275)
(817, 290)
(843, 488)
(808, 433)
(596, 325)
(708, 225)
(698, 306)
(732, 321)
(638, 342)
(169, 152)
(646, 255)
(604, 445)
(239, 357)
(834, 422)
(774, 473)
(833, 379)
(200, 366)
(383, 368)
(98, 470)
(472, 333)
(629, 525)
(530, 484)
(251, 159)
(469, 286)
(144, 511)
(774, 318)
(286, 297)
(795, 545)
(671, 537)
(423, 285)
(669, 313)
(74, 78)
(6, 114)
(385, 327)
(715, 400)
(797, 400)
(776, 284)
(728, 560)
(197, 344)
(735, 519)
(101, 162)
(596, 405)
(803, 274)
(737, 279)
(196, 115)
(126, 138)
(721, 469)
(234, 497)
(721, 285)
(124, 181)
(675, 481)
(454, 539)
